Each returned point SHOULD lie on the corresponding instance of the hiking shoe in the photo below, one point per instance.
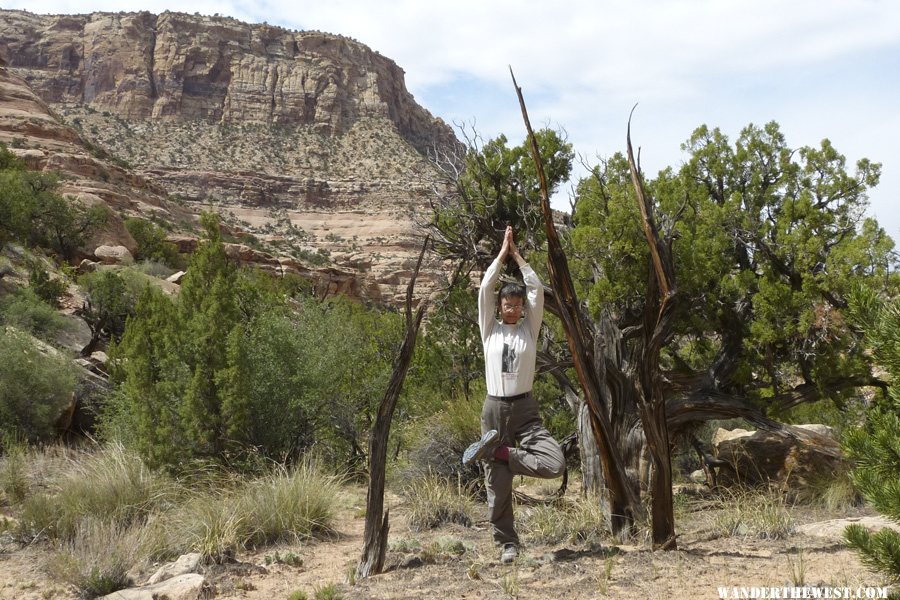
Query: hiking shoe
(509, 554)
(482, 448)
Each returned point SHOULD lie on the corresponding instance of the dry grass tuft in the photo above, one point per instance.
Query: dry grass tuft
(97, 559)
(434, 501)
(755, 513)
(581, 520)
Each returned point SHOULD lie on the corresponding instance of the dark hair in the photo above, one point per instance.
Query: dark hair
(511, 290)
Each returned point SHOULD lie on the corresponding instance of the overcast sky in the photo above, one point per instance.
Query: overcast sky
(821, 68)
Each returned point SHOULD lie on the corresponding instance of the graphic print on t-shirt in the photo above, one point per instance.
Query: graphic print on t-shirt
(509, 359)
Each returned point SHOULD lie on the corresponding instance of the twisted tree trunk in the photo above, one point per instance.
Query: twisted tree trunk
(624, 503)
(377, 523)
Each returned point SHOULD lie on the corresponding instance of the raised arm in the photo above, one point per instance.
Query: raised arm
(487, 299)
(534, 291)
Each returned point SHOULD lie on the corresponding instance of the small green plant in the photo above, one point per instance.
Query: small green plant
(604, 579)
(509, 583)
(288, 558)
(835, 492)
(798, 568)
(210, 523)
(328, 592)
(434, 501)
(298, 595)
(443, 548)
(404, 545)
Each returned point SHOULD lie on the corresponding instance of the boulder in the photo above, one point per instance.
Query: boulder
(185, 564)
(793, 457)
(100, 358)
(114, 255)
(176, 277)
(189, 586)
(86, 266)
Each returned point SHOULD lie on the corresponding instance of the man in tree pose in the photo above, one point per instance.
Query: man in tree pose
(510, 414)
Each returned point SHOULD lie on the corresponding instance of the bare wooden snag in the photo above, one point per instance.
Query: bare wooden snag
(624, 503)
(377, 522)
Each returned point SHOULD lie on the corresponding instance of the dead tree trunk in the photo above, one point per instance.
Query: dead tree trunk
(377, 524)
(657, 329)
(624, 503)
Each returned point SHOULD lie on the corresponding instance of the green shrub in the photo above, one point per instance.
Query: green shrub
(834, 491)
(434, 501)
(443, 437)
(24, 310)
(404, 545)
(108, 304)
(288, 504)
(35, 387)
(157, 270)
(152, 244)
(46, 288)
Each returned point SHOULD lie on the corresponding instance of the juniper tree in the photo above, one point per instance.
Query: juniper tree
(766, 242)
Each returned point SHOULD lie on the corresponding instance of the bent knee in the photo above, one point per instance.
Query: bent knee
(557, 469)
(554, 465)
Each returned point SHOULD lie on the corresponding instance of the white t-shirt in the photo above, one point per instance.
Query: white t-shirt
(509, 350)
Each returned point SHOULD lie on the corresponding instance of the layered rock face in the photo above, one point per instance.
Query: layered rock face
(308, 142)
(175, 65)
(28, 126)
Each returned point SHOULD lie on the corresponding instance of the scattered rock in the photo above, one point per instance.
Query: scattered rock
(411, 562)
(114, 255)
(186, 563)
(176, 277)
(86, 266)
(834, 528)
(100, 357)
(182, 587)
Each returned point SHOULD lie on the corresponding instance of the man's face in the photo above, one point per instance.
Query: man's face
(511, 310)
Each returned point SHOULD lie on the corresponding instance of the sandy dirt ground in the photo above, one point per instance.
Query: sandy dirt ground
(703, 562)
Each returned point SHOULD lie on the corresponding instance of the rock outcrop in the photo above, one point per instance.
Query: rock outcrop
(760, 456)
(304, 141)
(179, 66)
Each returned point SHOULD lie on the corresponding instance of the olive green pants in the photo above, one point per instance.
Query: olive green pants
(532, 452)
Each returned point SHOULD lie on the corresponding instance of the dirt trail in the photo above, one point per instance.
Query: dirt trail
(703, 563)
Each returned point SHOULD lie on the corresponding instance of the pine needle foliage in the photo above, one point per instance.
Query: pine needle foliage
(876, 447)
